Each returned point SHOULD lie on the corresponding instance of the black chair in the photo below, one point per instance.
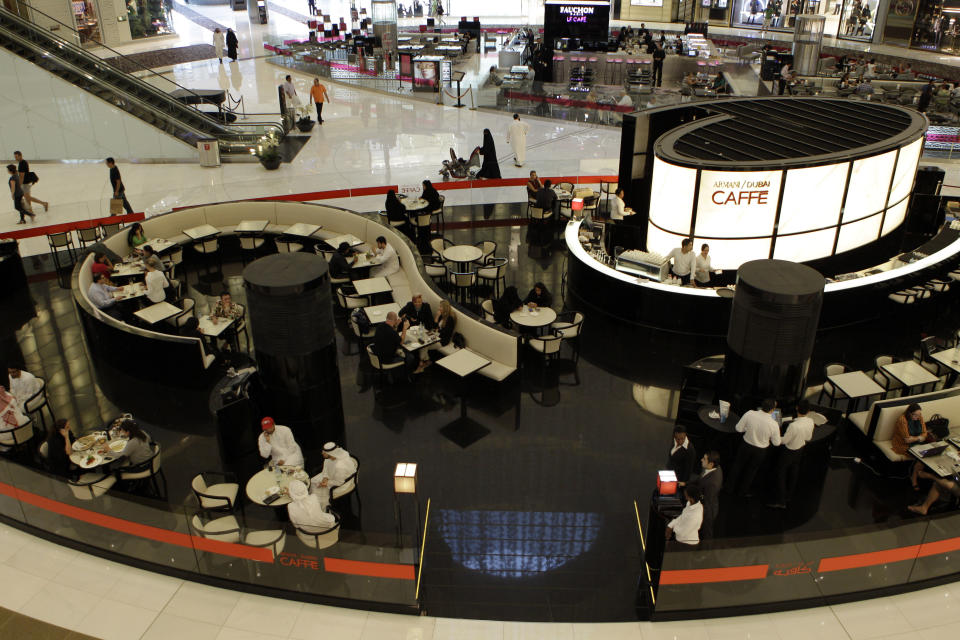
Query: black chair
(62, 241)
(89, 235)
(147, 470)
(250, 246)
(828, 389)
(36, 403)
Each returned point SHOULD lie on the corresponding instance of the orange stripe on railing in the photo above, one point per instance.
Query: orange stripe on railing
(372, 569)
(722, 574)
(869, 559)
(936, 548)
(136, 529)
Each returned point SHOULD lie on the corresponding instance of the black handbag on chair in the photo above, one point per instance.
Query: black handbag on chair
(938, 426)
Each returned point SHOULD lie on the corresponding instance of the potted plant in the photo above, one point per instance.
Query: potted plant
(304, 122)
(270, 157)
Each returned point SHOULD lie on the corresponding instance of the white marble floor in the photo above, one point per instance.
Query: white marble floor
(112, 601)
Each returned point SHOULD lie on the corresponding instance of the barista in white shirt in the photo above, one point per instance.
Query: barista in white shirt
(386, 259)
(618, 209)
(684, 260)
(686, 526)
(703, 271)
(23, 385)
(798, 433)
(759, 431)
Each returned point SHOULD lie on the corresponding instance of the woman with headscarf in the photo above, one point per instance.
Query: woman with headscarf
(396, 212)
(232, 45)
(508, 303)
(490, 167)
(431, 195)
(538, 296)
(306, 511)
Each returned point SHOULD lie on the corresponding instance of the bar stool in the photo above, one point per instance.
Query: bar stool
(89, 235)
(58, 241)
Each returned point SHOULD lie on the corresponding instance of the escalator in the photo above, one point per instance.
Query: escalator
(127, 92)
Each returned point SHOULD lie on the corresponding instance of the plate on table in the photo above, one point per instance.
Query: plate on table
(90, 460)
(117, 445)
(84, 443)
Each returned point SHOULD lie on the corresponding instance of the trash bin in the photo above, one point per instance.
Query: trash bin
(209, 150)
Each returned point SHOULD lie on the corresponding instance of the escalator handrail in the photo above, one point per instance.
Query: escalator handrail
(221, 129)
(86, 53)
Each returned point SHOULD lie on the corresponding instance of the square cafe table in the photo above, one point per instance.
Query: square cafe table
(463, 362)
(302, 230)
(159, 245)
(202, 231)
(949, 358)
(157, 312)
(349, 238)
(372, 286)
(213, 330)
(251, 226)
(378, 313)
(909, 373)
(855, 385)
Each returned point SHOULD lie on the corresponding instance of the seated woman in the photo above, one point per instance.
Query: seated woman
(59, 447)
(138, 449)
(533, 185)
(508, 303)
(538, 296)
(136, 236)
(101, 264)
(432, 196)
(909, 430)
(307, 511)
(396, 212)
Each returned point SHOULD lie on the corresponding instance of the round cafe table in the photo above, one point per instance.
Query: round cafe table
(533, 318)
(415, 204)
(462, 254)
(261, 481)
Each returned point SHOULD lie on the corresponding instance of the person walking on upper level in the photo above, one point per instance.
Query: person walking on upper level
(517, 139)
(16, 192)
(319, 94)
(218, 43)
(27, 180)
(119, 190)
(232, 45)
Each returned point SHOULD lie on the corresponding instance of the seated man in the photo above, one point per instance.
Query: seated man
(339, 266)
(337, 466)
(418, 312)
(387, 342)
(547, 199)
(307, 511)
(686, 526)
(23, 385)
(277, 443)
(386, 260)
(101, 294)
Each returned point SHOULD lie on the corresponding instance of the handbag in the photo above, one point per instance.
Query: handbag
(30, 178)
(939, 426)
(116, 206)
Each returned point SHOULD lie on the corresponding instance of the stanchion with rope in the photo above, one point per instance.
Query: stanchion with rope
(457, 97)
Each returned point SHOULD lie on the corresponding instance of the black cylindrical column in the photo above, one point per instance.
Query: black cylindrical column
(291, 320)
(773, 324)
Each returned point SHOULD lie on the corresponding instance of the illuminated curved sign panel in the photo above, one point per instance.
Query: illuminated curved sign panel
(791, 214)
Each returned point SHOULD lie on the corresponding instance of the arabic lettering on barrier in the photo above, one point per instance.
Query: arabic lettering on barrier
(794, 569)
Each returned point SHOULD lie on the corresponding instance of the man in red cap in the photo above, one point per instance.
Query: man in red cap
(277, 443)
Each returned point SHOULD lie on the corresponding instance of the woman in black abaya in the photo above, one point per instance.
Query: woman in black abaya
(490, 167)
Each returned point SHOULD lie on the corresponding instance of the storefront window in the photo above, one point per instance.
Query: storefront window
(149, 18)
(857, 19)
(85, 16)
(750, 13)
(937, 26)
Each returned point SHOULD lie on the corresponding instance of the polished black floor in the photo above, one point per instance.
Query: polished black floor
(531, 501)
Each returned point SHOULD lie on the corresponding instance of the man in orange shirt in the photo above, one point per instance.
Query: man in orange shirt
(319, 94)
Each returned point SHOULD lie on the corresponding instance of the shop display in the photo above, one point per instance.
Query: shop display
(149, 18)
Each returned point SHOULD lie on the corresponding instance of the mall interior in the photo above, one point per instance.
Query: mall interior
(320, 351)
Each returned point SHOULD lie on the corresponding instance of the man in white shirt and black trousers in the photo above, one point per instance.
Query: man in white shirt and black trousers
(798, 433)
(684, 260)
(759, 431)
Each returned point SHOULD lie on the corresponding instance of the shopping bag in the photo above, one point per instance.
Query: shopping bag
(116, 206)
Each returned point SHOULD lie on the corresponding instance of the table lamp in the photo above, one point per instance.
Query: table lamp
(666, 483)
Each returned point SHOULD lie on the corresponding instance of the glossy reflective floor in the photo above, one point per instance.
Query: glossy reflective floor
(532, 502)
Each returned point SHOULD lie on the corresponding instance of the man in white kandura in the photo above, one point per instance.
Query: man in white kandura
(337, 464)
(306, 511)
(277, 443)
(686, 526)
(23, 385)
(517, 139)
